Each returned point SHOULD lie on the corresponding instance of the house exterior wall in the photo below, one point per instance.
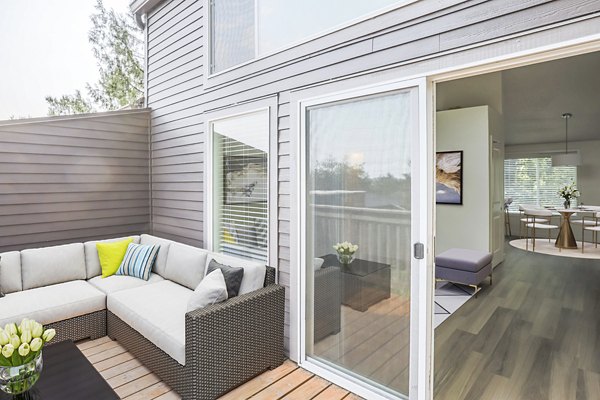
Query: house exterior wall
(66, 179)
(424, 34)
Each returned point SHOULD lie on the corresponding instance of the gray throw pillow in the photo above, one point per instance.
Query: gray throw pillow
(233, 277)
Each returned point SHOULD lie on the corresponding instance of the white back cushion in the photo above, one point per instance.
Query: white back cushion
(10, 272)
(92, 262)
(51, 265)
(160, 265)
(254, 271)
(185, 265)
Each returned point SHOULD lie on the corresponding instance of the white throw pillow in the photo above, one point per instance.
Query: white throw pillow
(212, 289)
(318, 263)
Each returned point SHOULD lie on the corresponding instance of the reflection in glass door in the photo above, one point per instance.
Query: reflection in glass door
(358, 236)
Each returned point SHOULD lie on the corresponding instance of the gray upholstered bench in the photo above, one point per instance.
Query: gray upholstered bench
(468, 267)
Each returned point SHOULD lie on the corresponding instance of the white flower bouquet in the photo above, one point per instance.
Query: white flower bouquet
(20, 344)
(345, 252)
(21, 354)
(569, 192)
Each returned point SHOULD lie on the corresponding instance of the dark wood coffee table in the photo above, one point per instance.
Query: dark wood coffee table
(67, 374)
(364, 282)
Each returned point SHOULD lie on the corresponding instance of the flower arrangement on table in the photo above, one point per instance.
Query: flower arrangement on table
(569, 192)
(345, 252)
(21, 354)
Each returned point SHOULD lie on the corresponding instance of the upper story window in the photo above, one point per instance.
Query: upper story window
(242, 30)
(535, 181)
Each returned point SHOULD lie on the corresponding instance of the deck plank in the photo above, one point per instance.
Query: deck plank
(86, 344)
(257, 384)
(283, 386)
(332, 393)
(137, 385)
(131, 380)
(128, 376)
(119, 369)
(309, 389)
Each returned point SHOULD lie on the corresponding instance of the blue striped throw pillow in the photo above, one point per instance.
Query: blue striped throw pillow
(138, 260)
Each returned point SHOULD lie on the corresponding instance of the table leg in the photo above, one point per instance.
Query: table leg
(566, 239)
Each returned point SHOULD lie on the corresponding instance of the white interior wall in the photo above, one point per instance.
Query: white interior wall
(473, 91)
(467, 225)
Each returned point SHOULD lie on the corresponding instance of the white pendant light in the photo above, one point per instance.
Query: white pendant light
(567, 158)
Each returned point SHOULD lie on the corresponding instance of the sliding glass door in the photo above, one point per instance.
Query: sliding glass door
(362, 218)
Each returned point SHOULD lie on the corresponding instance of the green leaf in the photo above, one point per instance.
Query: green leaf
(16, 358)
(4, 362)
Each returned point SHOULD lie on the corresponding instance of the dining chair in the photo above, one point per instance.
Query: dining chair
(534, 222)
(586, 221)
(594, 228)
(523, 219)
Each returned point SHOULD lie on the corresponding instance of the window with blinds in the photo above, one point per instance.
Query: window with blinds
(535, 181)
(240, 185)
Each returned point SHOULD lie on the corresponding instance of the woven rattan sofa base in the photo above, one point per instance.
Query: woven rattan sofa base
(227, 343)
(144, 350)
(92, 326)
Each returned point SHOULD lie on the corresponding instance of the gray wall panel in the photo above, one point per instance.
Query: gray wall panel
(180, 94)
(65, 179)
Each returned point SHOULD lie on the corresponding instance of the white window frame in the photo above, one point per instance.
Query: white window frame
(269, 105)
(208, 41)
(421, 314)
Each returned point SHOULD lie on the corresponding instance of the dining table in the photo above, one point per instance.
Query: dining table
(566, 238)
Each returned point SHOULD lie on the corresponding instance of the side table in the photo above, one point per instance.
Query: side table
(364, 283)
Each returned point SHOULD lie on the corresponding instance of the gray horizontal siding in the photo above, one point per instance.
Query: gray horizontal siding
(180, 95)
(175, 47)
(65, 179)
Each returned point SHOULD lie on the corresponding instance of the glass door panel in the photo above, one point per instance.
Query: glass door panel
(358, 236)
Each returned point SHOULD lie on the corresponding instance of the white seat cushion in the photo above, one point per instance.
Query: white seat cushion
(156, 311)
(10, 272)
(160, 264)
(52, 303)
(185, 265)
(52, 265)
(116, 283)
(254, 271)
(92, 262)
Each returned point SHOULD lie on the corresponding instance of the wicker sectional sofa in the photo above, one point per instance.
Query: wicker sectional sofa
(201, 354)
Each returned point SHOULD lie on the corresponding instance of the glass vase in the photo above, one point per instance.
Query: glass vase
(345, 259)
(19, 379)
(567, 204)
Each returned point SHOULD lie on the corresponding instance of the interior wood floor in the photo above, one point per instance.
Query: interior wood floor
(132, 381)
(533, 335)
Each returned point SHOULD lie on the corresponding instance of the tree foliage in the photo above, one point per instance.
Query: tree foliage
(117, 45)
(68, 104)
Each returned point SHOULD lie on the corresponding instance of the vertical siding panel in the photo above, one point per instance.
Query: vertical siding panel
(66, 179)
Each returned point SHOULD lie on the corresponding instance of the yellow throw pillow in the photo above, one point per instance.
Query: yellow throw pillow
(111, 255)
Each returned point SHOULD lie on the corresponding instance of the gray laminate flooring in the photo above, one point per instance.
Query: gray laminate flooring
(534, 335)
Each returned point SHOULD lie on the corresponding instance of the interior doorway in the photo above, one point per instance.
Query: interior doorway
(531, 332)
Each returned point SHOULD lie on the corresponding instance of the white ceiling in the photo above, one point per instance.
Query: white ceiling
(534, 97)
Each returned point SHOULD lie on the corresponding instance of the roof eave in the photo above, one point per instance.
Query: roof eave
(141, 7)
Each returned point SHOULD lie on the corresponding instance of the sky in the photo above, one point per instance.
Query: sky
(44, 50)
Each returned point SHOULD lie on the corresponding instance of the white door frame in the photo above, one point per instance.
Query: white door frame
(433, 75)
(421, 231)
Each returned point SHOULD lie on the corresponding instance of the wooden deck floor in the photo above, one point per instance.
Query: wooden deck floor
(132, 381)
